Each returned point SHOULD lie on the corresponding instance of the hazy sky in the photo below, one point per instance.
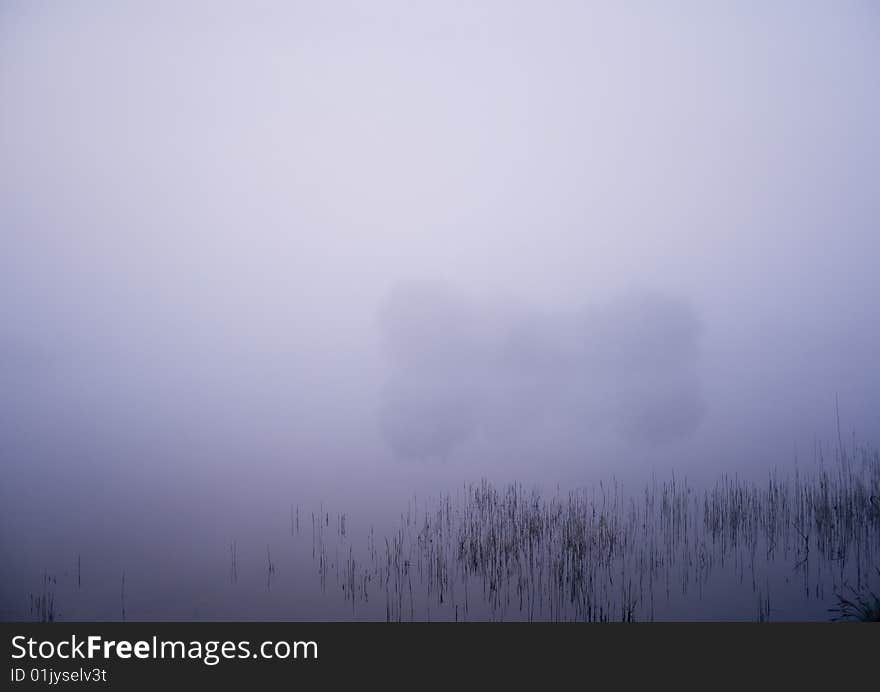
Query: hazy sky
(204, 205)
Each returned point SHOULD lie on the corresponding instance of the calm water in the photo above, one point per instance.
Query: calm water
(778, 549)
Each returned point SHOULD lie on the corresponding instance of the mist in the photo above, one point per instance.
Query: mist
(349, 252)
(461, 371)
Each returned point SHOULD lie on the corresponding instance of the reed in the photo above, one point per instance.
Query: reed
(608, 554)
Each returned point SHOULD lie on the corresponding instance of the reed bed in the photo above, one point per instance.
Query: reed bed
(488, 552)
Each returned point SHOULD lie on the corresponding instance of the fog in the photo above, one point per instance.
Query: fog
(258, 253)
(531, 381)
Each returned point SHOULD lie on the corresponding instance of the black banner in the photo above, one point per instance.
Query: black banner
(180, 655)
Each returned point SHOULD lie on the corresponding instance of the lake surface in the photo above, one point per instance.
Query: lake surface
(781, 548)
